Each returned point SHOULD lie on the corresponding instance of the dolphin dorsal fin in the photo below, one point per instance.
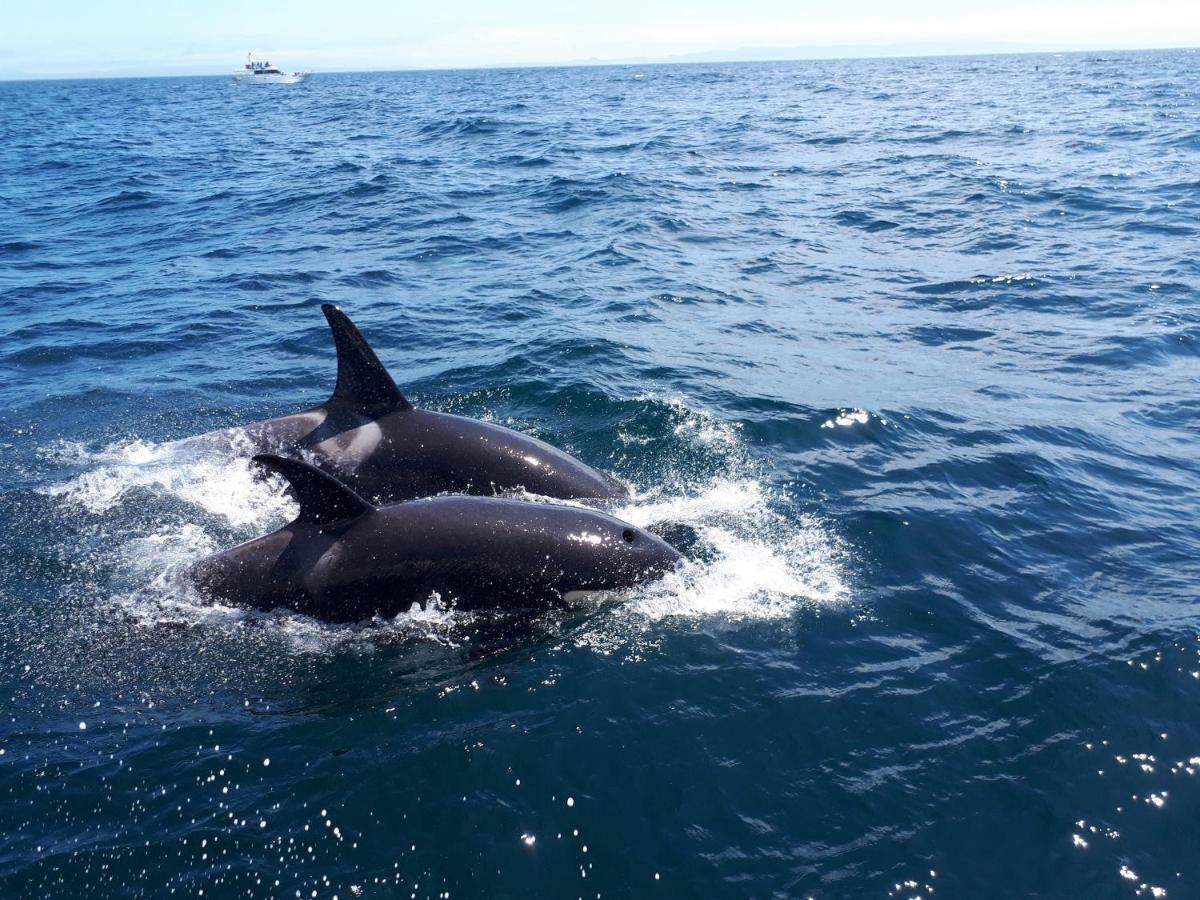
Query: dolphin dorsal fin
(363, 383)
(323, 499)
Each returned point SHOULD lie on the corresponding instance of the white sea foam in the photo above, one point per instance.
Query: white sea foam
(699, 426)
(752, 560)
(222, 481)
(171, 601)
(752, 563)
(749, 577)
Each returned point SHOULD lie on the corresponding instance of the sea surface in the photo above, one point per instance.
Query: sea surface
(907, 351)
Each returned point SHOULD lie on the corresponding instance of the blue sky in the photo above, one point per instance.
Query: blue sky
(130, 37)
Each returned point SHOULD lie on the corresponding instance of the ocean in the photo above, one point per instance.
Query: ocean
(905, 350)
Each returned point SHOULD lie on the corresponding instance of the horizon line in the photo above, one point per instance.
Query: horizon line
(682, 59)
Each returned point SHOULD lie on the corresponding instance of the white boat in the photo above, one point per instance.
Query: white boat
(258, 72)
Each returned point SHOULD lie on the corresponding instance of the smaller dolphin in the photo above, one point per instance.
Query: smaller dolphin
(371, 437)
(345, 560)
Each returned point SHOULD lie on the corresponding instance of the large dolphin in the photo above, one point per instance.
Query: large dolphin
(370, 436)
(345, 560)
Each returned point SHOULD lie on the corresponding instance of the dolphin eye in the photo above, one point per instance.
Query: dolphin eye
(629, 534)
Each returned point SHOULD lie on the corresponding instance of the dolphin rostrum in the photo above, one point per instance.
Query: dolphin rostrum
(346, 560)
(370, 436)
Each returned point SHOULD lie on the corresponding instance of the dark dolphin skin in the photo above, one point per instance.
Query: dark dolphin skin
(345, 560)
(371, 437)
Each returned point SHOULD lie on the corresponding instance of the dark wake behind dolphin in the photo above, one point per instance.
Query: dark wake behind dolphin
(345, 560)
(370, 436)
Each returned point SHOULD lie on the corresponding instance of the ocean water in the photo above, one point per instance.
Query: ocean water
(905, 351)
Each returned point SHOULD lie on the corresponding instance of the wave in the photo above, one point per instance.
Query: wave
(371, 278)
(463, 125)
(19, 246)
(525, 161)
(129, 200)
(562, 193)
(263, 281)
(379, 184)
(865, 221)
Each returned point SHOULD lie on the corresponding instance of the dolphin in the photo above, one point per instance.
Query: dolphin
(370, 436)
(346, 560)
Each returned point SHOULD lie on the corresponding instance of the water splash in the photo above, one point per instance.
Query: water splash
(223, 483)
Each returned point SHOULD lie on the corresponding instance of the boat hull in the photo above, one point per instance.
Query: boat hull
(248, 78)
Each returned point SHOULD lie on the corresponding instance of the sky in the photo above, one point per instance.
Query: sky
(89, 38)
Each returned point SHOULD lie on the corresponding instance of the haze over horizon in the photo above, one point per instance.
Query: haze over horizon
(131, 38)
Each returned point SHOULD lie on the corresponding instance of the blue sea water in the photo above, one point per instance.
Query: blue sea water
(908, 348)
